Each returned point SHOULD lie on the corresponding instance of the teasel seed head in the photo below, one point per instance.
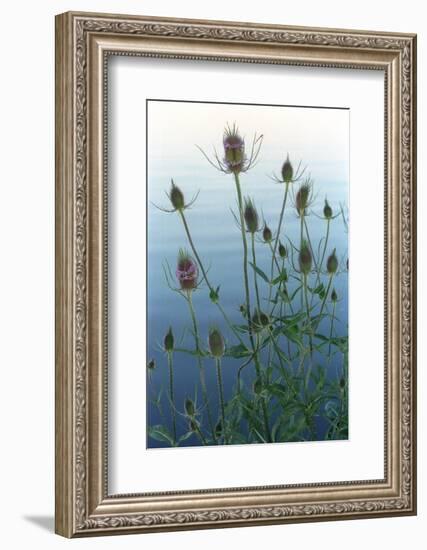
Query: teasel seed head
(302, 198)
(176, 197)
(257, 386)
(214, 295)
(234, 150)
(151, 365)
(332, 263)
(287, 171)
(169, 341)
(283, 252)
(267, 235)
(218, 428)
(243, 310)
(305, 259)
(186, 271)
(327, 210)
(342, 383)
(334, 295)
(251, 216)
(260, 320)
(216, 342)
(189, 407)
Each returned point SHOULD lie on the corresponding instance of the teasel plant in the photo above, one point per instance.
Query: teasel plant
(235, 162)
(216, 349)
(284, 335)
(176, 197)
(169, 342)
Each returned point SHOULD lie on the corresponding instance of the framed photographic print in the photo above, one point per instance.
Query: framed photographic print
(235, 274)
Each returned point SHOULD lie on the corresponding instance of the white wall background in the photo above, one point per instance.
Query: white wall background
(27, 273)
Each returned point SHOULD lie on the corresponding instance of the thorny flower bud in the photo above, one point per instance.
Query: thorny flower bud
(234, 150)
(169, 341)
(216, 342)
(251, 216)
(176, 197)
(305, 258)
(327, 210)
(214, 295)
(302, 198)
(151, 365)
(283, 253)
(218, 428)
(257, 386)
(267, 234)
(189, 407)
(334, 296)
(260, 320)
(332, 263)
(186, 271)
(287, 171)
(242, 310)
(342, 383)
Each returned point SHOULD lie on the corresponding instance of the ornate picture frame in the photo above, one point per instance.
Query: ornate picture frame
(84, 43)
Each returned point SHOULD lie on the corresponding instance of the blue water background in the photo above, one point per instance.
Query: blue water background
(218, 241)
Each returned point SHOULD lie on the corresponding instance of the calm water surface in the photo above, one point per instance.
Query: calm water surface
(218, 241)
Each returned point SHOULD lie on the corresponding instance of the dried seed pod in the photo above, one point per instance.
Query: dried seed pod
(216, 342)
(169, 341)
(186, 271)
(189, 407)
(251, 216)
(332, 263)
(287, 171)
(305, 259)
(327, 210)
(283, 252)
(267, 235)
(234, 150)
(176, 197)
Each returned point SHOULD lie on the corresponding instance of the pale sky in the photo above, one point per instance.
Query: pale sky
(319, 137)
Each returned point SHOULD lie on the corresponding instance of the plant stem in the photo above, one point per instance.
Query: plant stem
(245, 257)
(324, 300)
(255, 273)
(199, 433)
(300, 248)
(330, 332)
(171, 395)
(319, 266)
(205, 276)
(309, 244)
(200, 364)
(248, 301)
(221, 396)
(276, 240)
(307, 379)
(328, 222)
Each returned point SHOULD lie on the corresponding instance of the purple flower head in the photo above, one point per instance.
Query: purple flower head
(186, 271)
(234, 150)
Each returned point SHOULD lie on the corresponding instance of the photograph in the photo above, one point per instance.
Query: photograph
(247, 273)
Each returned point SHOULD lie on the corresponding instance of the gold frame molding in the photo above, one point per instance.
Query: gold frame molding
(83, 43)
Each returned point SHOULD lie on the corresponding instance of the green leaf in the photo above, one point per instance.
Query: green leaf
(260, 272)
(283, 276)
(160, 433)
